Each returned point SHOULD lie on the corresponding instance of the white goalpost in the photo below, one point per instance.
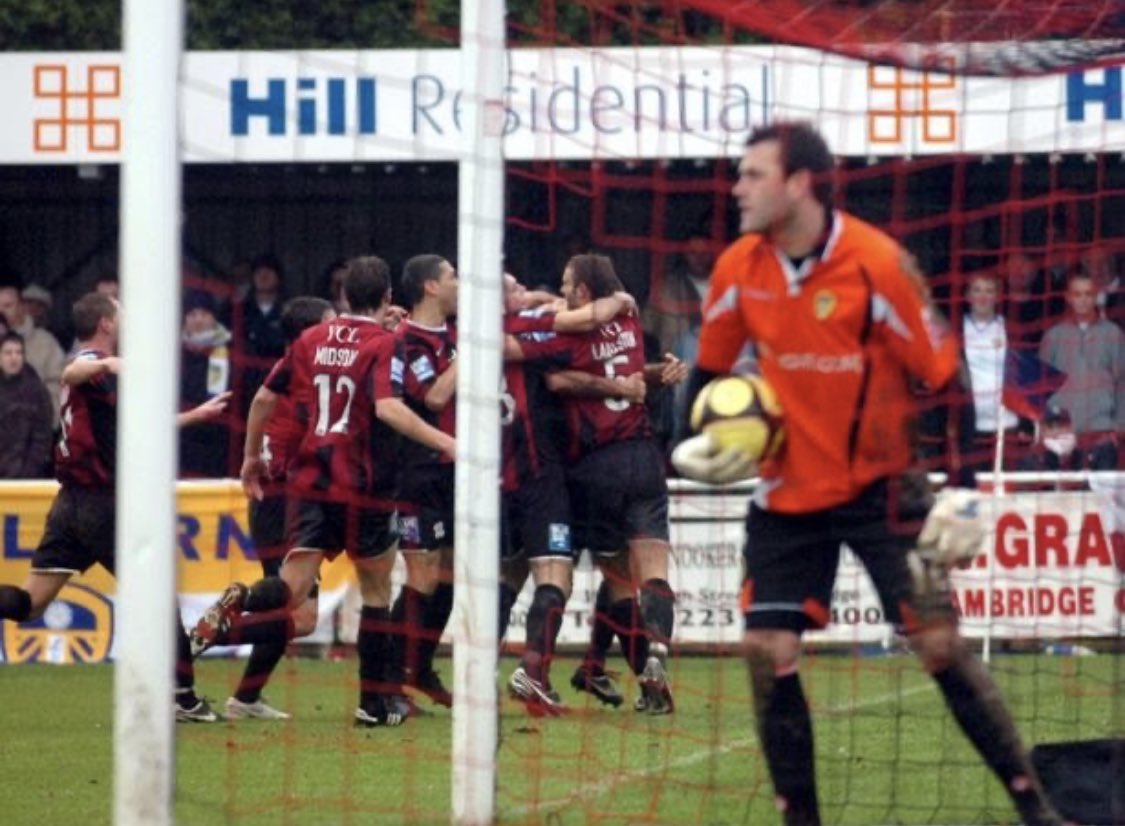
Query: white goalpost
(144, 745)
(480, 221)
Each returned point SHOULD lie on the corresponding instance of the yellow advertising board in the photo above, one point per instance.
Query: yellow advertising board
(212, 545)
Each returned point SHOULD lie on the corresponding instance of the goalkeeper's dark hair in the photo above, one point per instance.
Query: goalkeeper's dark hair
(802, 147)
(301, 313)
(88, 311)
(367, 283)
(417, 271)
(596, 273)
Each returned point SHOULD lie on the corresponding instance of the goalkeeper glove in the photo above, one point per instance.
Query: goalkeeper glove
(702, 459)
(954, 529)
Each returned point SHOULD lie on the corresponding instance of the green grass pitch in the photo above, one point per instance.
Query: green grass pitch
(887, 750)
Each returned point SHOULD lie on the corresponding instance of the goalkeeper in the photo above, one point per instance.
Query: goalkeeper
(840, 318)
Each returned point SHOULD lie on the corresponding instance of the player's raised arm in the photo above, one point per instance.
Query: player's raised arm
(84, 369)
(597, 312)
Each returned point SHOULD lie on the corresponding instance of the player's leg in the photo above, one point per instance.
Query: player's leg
(267, 532)
(29, 601)
(922, 607)
(541, 521)
(380, 700)
(790, 567)
(616, 613)
(77, 528)
(513, 575)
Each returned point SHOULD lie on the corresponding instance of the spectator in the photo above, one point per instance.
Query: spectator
(672, 312)
(1101, 267)
(1091, 351)
(25, 410)
(1030, 307)
(257, 329)
(41, 349)
(984, 351)
(261, 310)
(205, 373)
(106, 284)
(37, 304)
(1057, 447)
(333, 284)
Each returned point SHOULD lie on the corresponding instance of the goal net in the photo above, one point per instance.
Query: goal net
(986, 137)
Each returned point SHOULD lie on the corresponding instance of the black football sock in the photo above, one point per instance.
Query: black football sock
(785, 731)
(185, 668)
(658, 602)
(266, 595)
(437, 615)
(15, 603)
(544, 618)
(269, 634)
(601, 632)
(406, 623)
(975, 701)
(260, 665)
(372, 645)
(508, 596)
(625, 620)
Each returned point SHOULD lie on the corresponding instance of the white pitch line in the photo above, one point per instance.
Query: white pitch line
(591, 790)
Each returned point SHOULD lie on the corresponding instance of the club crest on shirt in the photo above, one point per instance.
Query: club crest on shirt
(558, 536)
(824, 304)
(408, 529)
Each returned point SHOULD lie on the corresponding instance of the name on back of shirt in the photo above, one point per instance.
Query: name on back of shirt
(623, 340)
(335, 356)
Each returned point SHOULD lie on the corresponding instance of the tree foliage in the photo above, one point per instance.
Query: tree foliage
(95, 25)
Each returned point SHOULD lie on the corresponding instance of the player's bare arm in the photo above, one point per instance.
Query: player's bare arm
(443, 389)
(210, 410)
(83, 370)
(253, 467)
(580, 383)
(394, 413)
(599, 311)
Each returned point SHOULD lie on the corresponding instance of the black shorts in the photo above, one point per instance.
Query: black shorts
(618, 493)
(332, 527)
(426, 513)
(79, 532)
(267, 531)
(535, 519)
(791, 559)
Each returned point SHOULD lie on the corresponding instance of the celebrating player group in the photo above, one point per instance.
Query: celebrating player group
(351, 443)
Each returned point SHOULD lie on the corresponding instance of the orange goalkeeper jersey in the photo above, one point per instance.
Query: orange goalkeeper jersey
(837, 339)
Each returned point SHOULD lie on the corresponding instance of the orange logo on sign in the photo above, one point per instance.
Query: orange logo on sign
(910, 92)
(77, 108)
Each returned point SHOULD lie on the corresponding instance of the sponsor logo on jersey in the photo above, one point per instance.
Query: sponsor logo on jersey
(422, 368)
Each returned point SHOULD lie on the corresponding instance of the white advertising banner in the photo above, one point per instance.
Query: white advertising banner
(1057, 570)
(655, 102)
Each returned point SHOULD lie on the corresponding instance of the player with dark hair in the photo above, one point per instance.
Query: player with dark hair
(535, 506)
(618, 493)
(81, 524)
(426, 381)
(338, 374)
(280, 433)
(840, 317)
